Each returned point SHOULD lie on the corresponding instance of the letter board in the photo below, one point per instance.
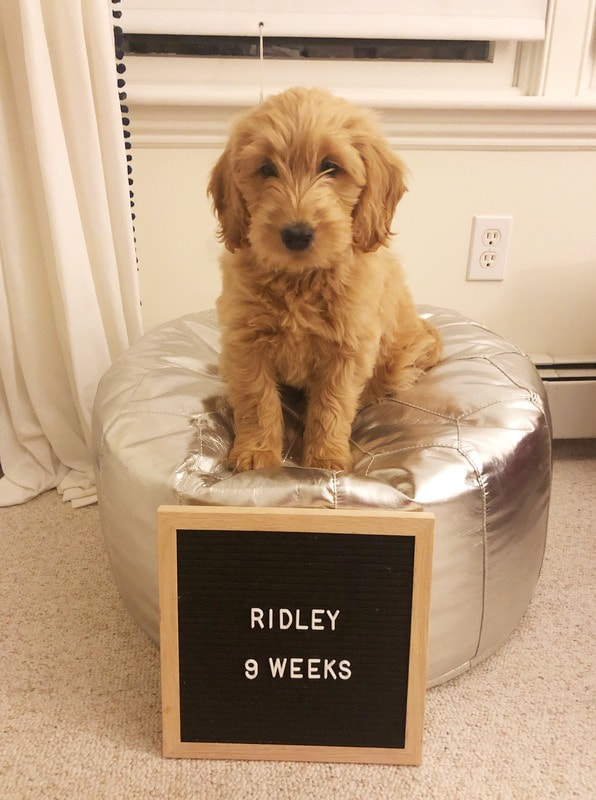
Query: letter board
(294, 634)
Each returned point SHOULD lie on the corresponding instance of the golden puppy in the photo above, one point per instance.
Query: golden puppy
(305, 193)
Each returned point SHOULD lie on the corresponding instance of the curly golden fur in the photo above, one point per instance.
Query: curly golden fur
(305, 193)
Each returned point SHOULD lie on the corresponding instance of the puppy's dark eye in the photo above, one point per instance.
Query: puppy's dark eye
(269, 170)
(328, 167)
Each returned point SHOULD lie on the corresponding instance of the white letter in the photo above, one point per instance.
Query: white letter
(289, 618)
(256, 616)
(296, 668)
(277, 667)
(344, 670)
(300, 627)
(316, 622)
(313, 668)
(329, 669)
(251, 669)
(333, 617)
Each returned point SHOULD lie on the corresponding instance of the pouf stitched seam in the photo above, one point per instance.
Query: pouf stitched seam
(148, 374)
(419, 408)
(502, 371)
(476, 324)
(120, 417)
(412, 447)
(532, 395)
(481, 479)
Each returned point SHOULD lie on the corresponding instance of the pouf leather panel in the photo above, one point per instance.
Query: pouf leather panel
(470, 442)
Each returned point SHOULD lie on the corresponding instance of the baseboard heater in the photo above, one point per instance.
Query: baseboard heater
(570, 383)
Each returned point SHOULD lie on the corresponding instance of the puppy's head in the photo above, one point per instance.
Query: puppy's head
(304, 177)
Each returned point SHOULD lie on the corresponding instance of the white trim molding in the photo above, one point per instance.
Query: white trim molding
(526, 123)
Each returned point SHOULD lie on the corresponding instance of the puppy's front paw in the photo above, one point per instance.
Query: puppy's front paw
(245, 459)
(333, 464)
(327, 461)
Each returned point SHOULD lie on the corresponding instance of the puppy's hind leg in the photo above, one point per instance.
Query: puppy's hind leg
(431, 346)
(402, 363)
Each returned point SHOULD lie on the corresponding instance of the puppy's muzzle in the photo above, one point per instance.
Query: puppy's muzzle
(298, 236)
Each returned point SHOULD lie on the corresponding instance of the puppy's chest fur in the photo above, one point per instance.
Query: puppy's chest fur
(304, 324)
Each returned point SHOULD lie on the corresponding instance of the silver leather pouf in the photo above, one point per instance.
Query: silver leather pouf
(470, 442)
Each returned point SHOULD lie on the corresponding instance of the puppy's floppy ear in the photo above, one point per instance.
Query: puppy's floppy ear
(228, 203)
(382, 192)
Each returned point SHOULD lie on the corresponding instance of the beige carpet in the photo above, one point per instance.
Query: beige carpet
(79, 689)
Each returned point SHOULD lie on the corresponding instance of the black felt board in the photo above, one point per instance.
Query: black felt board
(368, 578)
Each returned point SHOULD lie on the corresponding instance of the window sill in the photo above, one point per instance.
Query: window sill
(194, 114)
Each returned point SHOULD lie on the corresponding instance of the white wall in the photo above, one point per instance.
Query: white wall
(547, 302)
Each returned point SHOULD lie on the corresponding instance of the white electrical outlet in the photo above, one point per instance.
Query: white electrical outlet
(488, 247)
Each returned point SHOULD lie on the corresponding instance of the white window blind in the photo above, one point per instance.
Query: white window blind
(492, 20)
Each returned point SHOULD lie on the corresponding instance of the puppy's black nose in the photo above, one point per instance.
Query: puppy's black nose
(298, 236)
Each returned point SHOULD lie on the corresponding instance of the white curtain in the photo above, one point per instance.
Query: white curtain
(69, 303)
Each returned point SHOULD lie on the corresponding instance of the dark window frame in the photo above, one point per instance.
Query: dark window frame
(294, 48)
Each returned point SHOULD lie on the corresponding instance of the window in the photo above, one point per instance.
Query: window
(493, 34)
(492, 62)
(315, 48)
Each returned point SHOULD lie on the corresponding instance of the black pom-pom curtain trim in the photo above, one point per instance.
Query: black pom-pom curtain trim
(124, 110)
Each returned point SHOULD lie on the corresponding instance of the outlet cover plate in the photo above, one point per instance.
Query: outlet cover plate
(489, 245)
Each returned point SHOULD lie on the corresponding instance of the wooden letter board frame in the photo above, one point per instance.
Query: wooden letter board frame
(186, 523)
